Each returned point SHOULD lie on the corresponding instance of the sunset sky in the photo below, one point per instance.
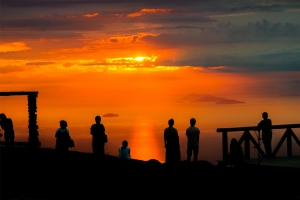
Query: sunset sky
(150, 57)
(47, 39)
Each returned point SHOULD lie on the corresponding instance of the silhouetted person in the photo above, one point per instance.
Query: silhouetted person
(193, 136)
(172, 146)
(236, 155)
(7, 126)
(99, 137)
(266, 126)
(124, 151)
(62, 137)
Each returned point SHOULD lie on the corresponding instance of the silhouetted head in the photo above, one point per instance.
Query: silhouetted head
(265, 115)
(234, 141)
(98, 119)
(124, 143)
(63, 124)
(2, 116)
(171, 122)
(192, 121)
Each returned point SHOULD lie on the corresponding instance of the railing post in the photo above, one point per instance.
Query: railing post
(289, 142)
(225, 144)
(32, 118)
(247, 144)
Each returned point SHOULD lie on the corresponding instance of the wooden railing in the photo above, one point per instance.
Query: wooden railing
(247, 137)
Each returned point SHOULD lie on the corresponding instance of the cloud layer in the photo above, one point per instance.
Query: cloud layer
(247, 35)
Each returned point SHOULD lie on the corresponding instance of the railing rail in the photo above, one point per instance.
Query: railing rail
(247, 138)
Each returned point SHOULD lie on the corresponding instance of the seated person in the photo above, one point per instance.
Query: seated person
(124, 151)
(236, 155)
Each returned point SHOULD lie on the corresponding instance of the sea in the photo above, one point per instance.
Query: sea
(143, 129)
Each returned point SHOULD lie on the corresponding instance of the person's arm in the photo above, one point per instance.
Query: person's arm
(91, 130)
(259, 126)
(68, 134)
(165, 139)
(198, 136)
(177, 137)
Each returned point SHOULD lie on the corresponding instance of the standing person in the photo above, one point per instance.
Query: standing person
(99, 138)
(193, 136)
(171, 140)
(124, 151)
(266, 126)
(7, 126)
(62, 137)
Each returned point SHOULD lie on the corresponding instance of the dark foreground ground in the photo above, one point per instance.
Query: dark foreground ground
(28, 173)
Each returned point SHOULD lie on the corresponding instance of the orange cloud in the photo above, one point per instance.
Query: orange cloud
(91, 15)
(150, 11)
(156, 11)
(13, 47)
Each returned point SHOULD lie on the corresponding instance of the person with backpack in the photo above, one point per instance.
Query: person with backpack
(62, 137)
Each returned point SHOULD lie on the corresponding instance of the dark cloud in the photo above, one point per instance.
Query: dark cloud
(226, 32)
(11, 69)
(210, 98)
(53, 34)
(39, 63)
(229, 101)
(51, 23)
(279, 88)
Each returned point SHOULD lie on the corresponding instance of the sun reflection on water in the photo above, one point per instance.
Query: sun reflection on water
(144, 144)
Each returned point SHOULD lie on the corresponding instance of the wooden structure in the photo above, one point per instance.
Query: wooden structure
(32, 116)
(247, 138)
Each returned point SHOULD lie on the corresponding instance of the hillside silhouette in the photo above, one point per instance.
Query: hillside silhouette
(42, 174)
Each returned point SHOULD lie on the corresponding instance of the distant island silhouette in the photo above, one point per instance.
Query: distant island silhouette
(110, 115)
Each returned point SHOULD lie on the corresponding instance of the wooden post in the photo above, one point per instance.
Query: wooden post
(225, 144)
(247, 144)
(289, 142)
(32, 118)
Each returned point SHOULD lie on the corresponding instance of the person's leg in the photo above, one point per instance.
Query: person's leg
(11, 140)
(6, 139)
(195, 152)
(102, 150)
(189, 153)
(267, 145)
